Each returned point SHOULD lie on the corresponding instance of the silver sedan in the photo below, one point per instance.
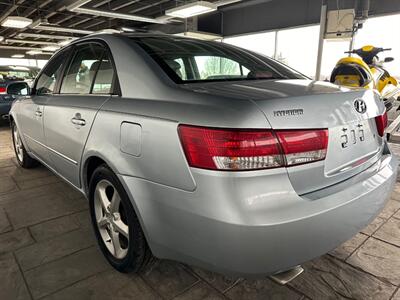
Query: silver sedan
(206, 153)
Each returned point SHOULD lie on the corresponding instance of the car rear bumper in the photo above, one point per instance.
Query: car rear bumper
(4, 108)
(254, 223)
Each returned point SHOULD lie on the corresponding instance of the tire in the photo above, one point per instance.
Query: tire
(125, 248)
(23, 158)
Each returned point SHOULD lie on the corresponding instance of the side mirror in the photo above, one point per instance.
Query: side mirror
(18, 89)
(388, 59)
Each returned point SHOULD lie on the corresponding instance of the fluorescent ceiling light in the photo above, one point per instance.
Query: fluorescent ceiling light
(62, 29)
(191, 9)
(128, 29)
(30, 42)
(64, 43)
(108, 30)
(16, 22)
(17, 56)
(51, 48)
(19, 68)
(34, 52)
(24, 48)
(109, 14)
(201, 35)
(18, 47)
(44, 36)
(1, 38)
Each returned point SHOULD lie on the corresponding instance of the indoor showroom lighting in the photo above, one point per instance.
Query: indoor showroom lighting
(63, 29)
(109, 30)
(34, 52)
(64, 43)
(201, 35)
(1, 38)
(29, 42)
(50, 48)
(128, 29)
(43, 36)
(17, 56)
(191, 9)
(16, 22)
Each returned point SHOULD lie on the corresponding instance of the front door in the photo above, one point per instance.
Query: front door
(31, 114)
(69, 115)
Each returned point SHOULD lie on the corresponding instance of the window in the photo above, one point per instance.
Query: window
(104, 77)
(373, 33)
(333, 51)
(214, 67)
(47, 80)
(298, 48)
(189, 60)
(82, 70)
(181, 72)
(263, 43)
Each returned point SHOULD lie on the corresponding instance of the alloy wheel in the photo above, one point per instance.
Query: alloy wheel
(111, 219)
(18, 144)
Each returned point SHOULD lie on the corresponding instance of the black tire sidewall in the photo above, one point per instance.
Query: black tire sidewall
(135, 258)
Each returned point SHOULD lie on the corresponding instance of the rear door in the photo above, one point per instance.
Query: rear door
(31, 113)
(86, 85)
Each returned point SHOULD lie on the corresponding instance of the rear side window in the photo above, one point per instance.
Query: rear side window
(104, 77)
(46, 83)
(82, 69)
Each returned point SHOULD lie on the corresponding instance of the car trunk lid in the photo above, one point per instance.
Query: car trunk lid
(354, 143)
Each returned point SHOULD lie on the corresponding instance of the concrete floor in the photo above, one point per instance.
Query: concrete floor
(48, 251)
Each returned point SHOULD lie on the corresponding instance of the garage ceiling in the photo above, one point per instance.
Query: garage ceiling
(88, 16)
(232, 18)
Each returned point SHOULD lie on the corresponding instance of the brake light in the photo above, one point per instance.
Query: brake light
(3, 90)
(381, 123)
(236, 149)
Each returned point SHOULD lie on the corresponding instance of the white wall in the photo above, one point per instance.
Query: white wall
(263, 43)
(23, 62)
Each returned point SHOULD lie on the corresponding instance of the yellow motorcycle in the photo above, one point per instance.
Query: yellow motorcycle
(367, 72)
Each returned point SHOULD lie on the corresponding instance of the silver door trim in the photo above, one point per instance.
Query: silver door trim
(52, 150)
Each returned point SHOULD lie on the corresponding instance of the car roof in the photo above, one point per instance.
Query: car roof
(104, 35)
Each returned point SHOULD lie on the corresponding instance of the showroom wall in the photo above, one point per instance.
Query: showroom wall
(298, 47)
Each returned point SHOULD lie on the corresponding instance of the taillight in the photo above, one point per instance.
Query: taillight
(303, 146)
(381, 123)
(221, 149)
(236, 149)
(3, 90)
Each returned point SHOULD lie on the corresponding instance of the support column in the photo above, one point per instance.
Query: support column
(322, 29)
(276, 45)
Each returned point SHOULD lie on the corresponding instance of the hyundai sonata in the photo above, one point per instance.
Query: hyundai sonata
(206, 153)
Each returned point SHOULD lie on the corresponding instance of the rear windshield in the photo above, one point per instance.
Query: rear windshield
(188, 60)
(17, 73)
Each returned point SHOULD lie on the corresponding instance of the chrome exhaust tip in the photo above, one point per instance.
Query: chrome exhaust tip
(287, 276)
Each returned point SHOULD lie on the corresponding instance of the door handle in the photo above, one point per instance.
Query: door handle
(38, 113)
(77, 120)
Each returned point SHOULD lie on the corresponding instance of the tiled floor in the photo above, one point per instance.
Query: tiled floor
(47, 251)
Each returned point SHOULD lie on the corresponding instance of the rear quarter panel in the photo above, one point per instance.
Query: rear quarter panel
(161, 158)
